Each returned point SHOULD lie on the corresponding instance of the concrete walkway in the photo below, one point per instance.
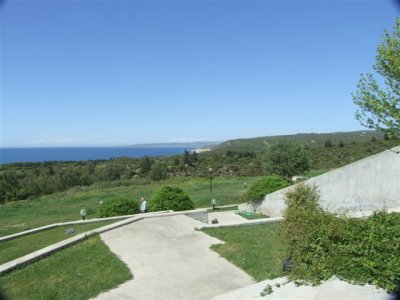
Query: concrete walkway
(225, 217)
(170, 260)
(332, 289)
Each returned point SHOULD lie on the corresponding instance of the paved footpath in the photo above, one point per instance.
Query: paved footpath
(170, 260)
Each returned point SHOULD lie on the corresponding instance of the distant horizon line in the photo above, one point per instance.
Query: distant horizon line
(145, 145)
(179, 144)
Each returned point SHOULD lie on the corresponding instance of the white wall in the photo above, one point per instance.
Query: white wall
(369, 184)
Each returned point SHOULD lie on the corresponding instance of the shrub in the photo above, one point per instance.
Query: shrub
(264, 186)
(328, 144)
(158, 171)
(170, 198)
(118, 207)
(322, 245)
(286, 159)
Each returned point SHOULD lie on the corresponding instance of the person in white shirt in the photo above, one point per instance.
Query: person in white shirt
(143, 206)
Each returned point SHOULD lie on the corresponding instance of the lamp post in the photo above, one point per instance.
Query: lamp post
(210, 170)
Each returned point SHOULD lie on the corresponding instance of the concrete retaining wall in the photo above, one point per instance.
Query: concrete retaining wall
(369, 184)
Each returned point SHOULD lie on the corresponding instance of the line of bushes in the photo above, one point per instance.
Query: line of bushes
(166, 198)
(322, 245)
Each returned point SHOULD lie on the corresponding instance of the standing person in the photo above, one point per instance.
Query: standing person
(143, 206)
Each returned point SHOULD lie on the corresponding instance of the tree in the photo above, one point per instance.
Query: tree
(264, 186)
(328, 144)
(286, 159)
(158, 171)
(145, 165)
(379, 108)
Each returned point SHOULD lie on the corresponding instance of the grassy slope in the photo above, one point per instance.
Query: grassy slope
(65, 206)
(68, 274)
(258, 250)
(311, 139)
(21, 246)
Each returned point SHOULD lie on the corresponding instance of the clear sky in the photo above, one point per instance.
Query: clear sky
(109, 72)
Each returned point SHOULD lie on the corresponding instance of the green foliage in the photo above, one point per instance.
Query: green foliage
(158, 171)
(329, 158)
(21, 181)
(328, 144)
(264, 186)
(65, 206)
(286, 159)
(81, 271)
(145, 165)
(322, 245)
(266, 291)
(379, 108)
(118, 207)
(170, 198)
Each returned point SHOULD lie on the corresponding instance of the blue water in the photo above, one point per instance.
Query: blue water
(12, 155)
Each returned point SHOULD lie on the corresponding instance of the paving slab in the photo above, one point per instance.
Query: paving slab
(171, 260)
(225, 217)
(332, 289)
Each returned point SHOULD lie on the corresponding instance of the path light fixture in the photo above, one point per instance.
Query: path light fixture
(213, 203)
(209, 171)
(245, 185)
(83, 213)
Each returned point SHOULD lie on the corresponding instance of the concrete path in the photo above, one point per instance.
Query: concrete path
(332, 289)
(170, 260)
(225, 217)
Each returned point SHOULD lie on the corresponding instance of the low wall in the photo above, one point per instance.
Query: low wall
(372, 183)
(78, 222)
(198, 214)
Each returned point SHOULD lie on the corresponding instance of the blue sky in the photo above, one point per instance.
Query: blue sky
(94, 73)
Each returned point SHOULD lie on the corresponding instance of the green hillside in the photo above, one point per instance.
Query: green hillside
(310, 139)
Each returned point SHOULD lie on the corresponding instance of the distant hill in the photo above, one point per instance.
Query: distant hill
(192, 145)
(310, 139)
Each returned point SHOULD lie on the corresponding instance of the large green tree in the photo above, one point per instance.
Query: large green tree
(286, 159)
(379, 106)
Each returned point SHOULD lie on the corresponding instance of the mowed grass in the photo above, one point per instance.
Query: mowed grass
(259, 250)
(65, 206)
(21, 246)
(81, 271)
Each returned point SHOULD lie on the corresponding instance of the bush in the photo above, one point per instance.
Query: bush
(170, 198)
(322, 245)
(286, 159)
(158, 171)
(264, 186)
(118, 207)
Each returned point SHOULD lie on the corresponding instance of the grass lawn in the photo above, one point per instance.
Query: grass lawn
(68, 274)
(65, 206)
(257, 249)
(21, 246)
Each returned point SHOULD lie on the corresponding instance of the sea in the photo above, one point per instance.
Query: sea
(14, 155)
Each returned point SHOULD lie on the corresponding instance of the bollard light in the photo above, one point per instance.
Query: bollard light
(213, 203)
(83, 213)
